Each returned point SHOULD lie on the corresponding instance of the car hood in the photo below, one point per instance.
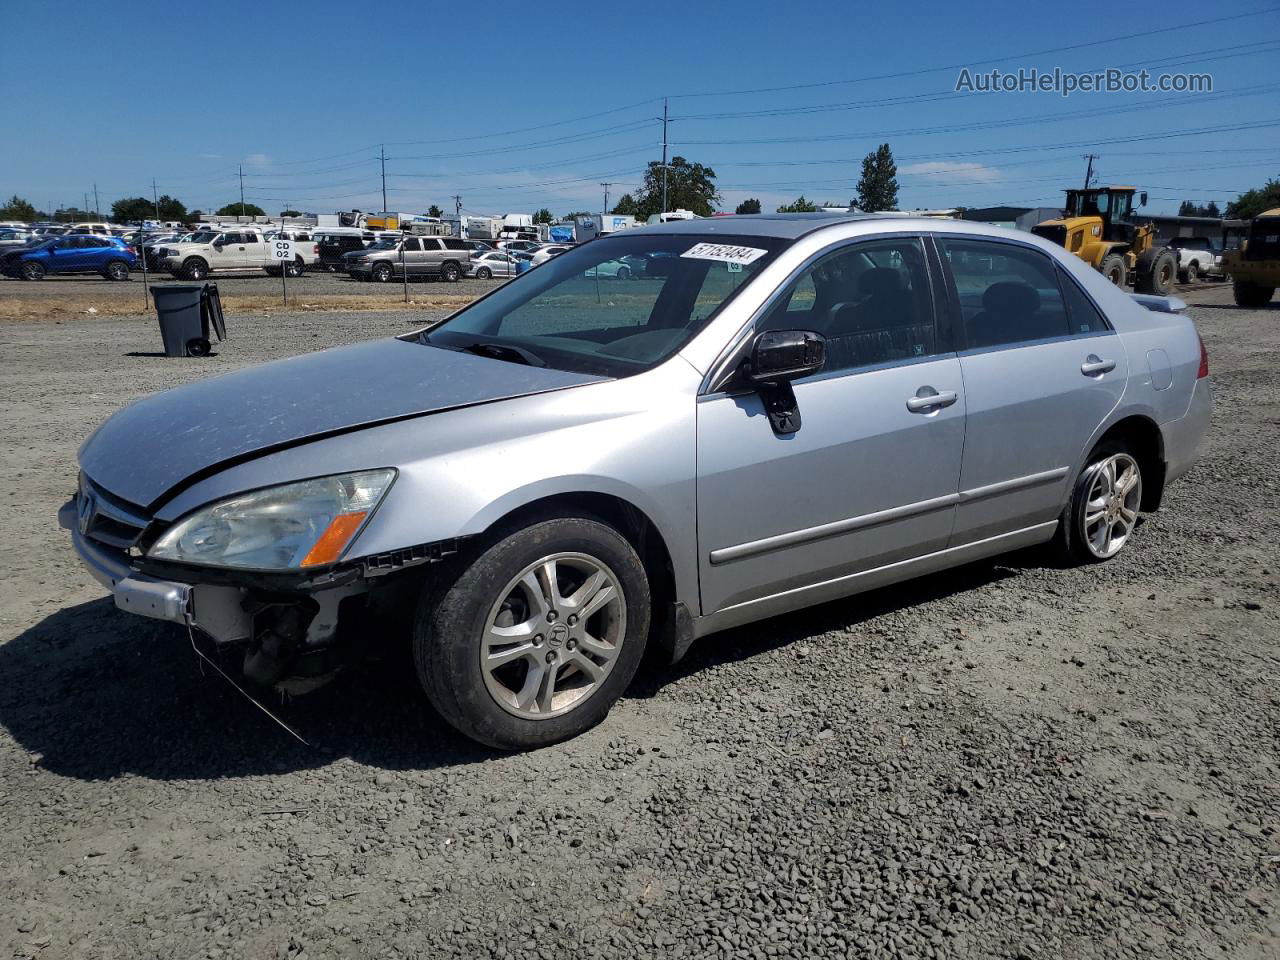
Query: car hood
(152, 448)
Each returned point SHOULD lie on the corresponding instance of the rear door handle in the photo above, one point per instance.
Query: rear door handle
(1094, 366)
(928, 400)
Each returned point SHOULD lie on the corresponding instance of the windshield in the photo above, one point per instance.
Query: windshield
(384, 244)
(616, 306)
(201, 237)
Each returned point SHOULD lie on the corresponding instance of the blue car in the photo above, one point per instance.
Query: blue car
(109, 256)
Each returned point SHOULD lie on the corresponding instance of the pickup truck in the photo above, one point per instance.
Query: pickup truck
(1197, 257)
(228, 251)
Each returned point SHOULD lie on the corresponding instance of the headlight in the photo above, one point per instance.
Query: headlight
(298, 525)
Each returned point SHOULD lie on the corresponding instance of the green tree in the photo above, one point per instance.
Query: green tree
(17, 208)
(799, 205)
(1211, 209)
(283, 213)
(878, 186)
(194, 215)
(434, 211)
(543, 216)
(626, 206)
(1189, 209)
(690, 186)
(1258, 200)
(570, 217)
(239, 209)
(751, 205)
(132, 210)
(172, 209)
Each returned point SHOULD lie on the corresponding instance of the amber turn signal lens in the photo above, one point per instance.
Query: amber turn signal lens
(334, 540)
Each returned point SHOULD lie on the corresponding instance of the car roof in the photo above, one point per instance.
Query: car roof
(784, 226)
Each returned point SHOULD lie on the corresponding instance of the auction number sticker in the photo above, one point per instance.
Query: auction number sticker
(725, 253)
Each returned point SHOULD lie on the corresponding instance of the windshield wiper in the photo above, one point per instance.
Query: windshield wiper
(504, 351)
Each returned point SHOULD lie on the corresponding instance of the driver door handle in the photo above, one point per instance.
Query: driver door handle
(1094, 366)
(924, 402)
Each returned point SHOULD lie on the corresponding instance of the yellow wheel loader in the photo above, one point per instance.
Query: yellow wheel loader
(1099, 225)
(1254, 266)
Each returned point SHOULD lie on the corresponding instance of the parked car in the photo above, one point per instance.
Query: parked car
(522, 246)
(306, 249)
(333, 248)
(543, 254)
(442, 257)
(1197, 257)
(98, 229)
(79, 253)
(234, 250)
(492, 263)
(548, 481)
(620, 269)
(479, 246)
(10, 238)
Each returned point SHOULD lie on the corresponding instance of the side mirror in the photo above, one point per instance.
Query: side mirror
(780, 356)
(1142, 199)
(777, 358)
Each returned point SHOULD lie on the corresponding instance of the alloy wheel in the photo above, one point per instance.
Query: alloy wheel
(1111, 509)
(553, 635)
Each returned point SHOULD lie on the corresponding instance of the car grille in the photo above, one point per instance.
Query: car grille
(106, 518)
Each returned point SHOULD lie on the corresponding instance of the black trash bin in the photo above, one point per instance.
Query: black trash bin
(186, 312)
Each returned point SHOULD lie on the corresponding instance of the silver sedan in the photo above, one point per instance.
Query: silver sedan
(492, 263)
(573, 468)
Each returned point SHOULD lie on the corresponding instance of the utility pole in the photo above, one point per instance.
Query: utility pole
(242, 190)
(664, 154)
(85, 208)
(97, 211)
(154, 199)
(457, 205)
(606, 197)
(382, 155)
(1088, 173)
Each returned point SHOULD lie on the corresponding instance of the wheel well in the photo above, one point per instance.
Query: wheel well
(629, 521)
(1143, 437)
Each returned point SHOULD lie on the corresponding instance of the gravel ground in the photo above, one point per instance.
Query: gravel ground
(1007, 760)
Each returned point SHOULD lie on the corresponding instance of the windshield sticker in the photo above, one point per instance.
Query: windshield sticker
(724, 252)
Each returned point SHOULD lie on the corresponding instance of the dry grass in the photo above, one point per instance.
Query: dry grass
(20, 308)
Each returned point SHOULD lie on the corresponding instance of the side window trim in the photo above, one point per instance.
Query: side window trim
(730, 359)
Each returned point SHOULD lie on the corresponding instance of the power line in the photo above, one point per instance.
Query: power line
(923, 71)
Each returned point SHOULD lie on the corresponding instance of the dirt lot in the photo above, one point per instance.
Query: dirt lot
(242, 294)
(1008, 760)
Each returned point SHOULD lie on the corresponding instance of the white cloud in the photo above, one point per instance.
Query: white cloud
(257, 160)
(946, 172)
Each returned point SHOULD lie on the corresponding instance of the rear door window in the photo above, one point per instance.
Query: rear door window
(1008, 294)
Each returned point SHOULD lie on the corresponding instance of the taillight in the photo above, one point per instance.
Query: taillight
(132, 251)
(1204, 360)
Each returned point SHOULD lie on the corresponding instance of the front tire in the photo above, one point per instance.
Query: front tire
(195, 269)
(382, 273)
(32, 270)
(535, 639)
(1192, 273)
(1100, 519)
(1252, 296)
(1113, 268)
(484, 273)
(450, 273)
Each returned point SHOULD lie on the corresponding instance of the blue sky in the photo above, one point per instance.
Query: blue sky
(304, 94)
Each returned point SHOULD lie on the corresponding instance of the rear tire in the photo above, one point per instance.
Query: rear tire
(294, 269)
(1192, 273)
(1102, 514)
(624, 273)
(1113, 268)
(508, 704)
(1157, 269)
(1253, 296)
(116, 270)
